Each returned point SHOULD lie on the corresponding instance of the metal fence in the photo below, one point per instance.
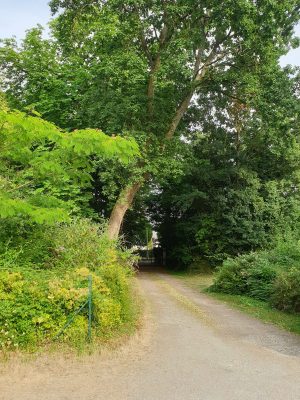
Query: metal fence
(87, 304)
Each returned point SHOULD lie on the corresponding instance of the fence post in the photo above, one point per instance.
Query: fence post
(90, 309)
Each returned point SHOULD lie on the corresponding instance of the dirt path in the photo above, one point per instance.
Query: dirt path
(191, 347)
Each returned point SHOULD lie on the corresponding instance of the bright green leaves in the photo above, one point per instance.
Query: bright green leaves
(87, 142)
(10, 208)
(45, 173)
(3, 105)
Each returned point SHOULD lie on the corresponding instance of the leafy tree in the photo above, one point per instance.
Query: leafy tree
(45, 173)
(145, 67)
(239, 191)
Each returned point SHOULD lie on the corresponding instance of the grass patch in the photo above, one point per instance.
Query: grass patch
(256, 308)
(262, 310)
(187, 303)
(199, 282)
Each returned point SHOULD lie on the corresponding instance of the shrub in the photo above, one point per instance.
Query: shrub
(286, 254)
(200, 266)
(85, 244)
(250, 274)
(260, 281)
(37, 300)
(272, 276)
(34, 308)
(286, 291)
(230, 278)
(79, 244)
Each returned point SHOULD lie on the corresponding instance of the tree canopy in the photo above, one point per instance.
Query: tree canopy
(199, 87)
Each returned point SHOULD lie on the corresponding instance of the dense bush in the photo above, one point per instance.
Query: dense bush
(250, 274)
(286, 293)
(36, 301)
(272, 276)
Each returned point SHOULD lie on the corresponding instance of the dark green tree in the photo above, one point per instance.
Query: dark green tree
(239, 191)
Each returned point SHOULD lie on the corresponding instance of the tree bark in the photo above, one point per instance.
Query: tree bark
(178, 115)
(122, 205)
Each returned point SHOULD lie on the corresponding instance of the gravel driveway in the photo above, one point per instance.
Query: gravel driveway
(191, 347)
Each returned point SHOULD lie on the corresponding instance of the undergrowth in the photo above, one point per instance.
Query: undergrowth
(38, 298)
(271, 276)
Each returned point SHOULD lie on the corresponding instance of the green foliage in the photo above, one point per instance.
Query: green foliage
(237, 192)
(45, 179)
(204, 74)
(250, 274)
(45, 173)
(81, 243)
(37, 300)
(271, 276)
(126, 66)
(286, 290)
(3, 104)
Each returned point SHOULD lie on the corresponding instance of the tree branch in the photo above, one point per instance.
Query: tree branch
(155, 65)
(198, 76)
(199, 73)
(154, 61)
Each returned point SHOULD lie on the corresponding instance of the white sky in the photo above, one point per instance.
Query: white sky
(293, 56)
(16, 16)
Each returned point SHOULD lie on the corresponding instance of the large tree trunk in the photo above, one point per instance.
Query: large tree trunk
(122, 205)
